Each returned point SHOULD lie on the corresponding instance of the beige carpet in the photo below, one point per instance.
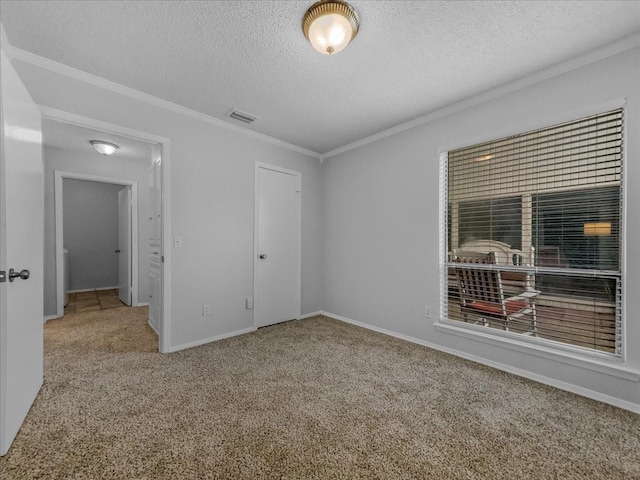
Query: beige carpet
(311, 399)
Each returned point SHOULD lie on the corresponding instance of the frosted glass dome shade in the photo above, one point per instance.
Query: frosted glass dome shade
(104, 148)
(330, 25)
(330, 33)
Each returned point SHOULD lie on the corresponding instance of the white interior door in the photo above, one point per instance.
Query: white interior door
(124, 245)
(21, 248)
(278, 224)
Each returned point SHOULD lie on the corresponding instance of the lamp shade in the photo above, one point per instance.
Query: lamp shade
(330, 25)
(105, 148)
(602, 228)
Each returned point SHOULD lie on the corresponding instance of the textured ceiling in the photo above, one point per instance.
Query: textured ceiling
(71, 137)
(409, 59)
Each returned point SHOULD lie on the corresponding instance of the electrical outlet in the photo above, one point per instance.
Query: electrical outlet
(177, 242)
(248, 304)
(206, 310)
(427, 311)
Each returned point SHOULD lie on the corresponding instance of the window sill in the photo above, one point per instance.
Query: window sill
(590, 361)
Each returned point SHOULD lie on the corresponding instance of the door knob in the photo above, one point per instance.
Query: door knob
(23, 274)
(262, 256)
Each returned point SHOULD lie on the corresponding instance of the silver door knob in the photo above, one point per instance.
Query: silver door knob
(23, 274)
(262, 256)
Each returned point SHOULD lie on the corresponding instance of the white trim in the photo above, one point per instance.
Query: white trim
(203, 341)
(568, 355)
(141, 304)
(309, 315)
(627, 342)
(92, 289)
(615, 48)
(153, 327)
(62, 69)
(585, 392)
(298, 176)
(59, 176)
(165, 320)
(86, 122)
(50, 317)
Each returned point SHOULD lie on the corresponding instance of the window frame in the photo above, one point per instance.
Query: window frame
(539, 346)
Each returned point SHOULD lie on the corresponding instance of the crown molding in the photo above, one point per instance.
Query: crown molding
(62, 69)
(619, 46)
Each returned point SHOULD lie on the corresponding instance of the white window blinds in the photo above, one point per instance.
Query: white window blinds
(539, 216)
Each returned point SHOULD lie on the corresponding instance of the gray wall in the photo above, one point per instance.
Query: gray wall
(90, 229)
(381, 217)
(370, 216)
(212, 204)
(98, 165)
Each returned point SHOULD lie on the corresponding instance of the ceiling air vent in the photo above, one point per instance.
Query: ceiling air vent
(243, 117)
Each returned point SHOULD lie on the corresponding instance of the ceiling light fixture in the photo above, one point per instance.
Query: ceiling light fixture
(105, 148)
(330, 25)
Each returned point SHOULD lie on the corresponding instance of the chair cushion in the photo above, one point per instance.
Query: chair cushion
(495, 309)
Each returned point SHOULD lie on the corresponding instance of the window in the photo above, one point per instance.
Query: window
(493, 219)
(535, 218)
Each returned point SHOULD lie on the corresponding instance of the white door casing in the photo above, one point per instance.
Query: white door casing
(21, 248)
(155, 243)
(277, 257)
(59, 177)
(124, 245)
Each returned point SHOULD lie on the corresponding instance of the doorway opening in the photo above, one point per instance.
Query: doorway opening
(143, 152)
(97, 232)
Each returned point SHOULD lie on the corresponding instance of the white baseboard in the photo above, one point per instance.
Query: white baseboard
(50, 317)
(91, 289)
(153, 327)
(141, 304)
(585, 392)
(210, 339)
(227, 335)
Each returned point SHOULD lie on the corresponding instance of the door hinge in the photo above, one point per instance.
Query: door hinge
(3, 276)
(162, 258)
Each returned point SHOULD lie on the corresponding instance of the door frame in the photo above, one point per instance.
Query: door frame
(298, 176)
(164, 321)
(58, 192)
(127, 215)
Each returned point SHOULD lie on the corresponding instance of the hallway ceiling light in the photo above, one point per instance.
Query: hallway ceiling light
(105, 148)
(330, 25)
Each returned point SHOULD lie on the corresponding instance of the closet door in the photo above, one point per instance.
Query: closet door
(278, 225)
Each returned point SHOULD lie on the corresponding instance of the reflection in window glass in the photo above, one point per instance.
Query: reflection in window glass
(496, 219)
(578, 229)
